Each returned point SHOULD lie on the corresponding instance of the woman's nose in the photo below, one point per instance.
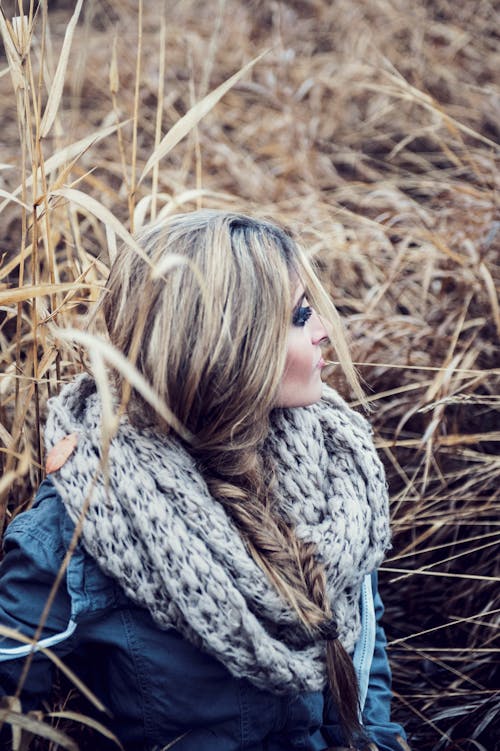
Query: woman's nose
(318, 331)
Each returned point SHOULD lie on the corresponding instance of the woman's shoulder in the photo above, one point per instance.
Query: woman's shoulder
(43, 535)
(44, 529)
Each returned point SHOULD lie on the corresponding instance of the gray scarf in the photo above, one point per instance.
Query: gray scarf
(156, 529)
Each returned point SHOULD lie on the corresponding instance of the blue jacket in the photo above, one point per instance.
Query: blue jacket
(156, 684)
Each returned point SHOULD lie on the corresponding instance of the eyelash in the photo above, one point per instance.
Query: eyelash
(301, 315)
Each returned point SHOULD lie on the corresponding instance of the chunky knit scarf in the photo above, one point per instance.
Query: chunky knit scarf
(153, 526)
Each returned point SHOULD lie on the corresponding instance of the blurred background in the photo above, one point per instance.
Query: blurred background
(371, 129)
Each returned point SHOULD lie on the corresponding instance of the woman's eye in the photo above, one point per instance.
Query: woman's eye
(301, 315)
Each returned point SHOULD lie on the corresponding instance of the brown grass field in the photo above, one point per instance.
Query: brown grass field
(371, 128)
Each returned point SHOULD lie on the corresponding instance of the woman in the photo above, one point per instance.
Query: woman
(222, 593)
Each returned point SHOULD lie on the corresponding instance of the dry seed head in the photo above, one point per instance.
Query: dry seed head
(114, 77)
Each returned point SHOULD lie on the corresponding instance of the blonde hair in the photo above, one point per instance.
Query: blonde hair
(204, 316)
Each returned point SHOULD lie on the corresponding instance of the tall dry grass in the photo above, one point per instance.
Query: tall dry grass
(371, 128)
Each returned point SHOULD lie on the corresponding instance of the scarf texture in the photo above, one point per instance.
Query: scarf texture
(154, 527)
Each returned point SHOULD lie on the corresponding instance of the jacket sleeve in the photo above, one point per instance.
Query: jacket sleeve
(385, 734)
(34, 551)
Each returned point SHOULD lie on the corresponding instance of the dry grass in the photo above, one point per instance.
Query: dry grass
(371, 128)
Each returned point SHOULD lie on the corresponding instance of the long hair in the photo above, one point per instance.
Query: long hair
(204, 315)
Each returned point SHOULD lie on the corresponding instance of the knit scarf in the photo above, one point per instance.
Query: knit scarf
(152, 525)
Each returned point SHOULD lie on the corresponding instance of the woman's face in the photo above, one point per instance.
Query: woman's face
(301, 383)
